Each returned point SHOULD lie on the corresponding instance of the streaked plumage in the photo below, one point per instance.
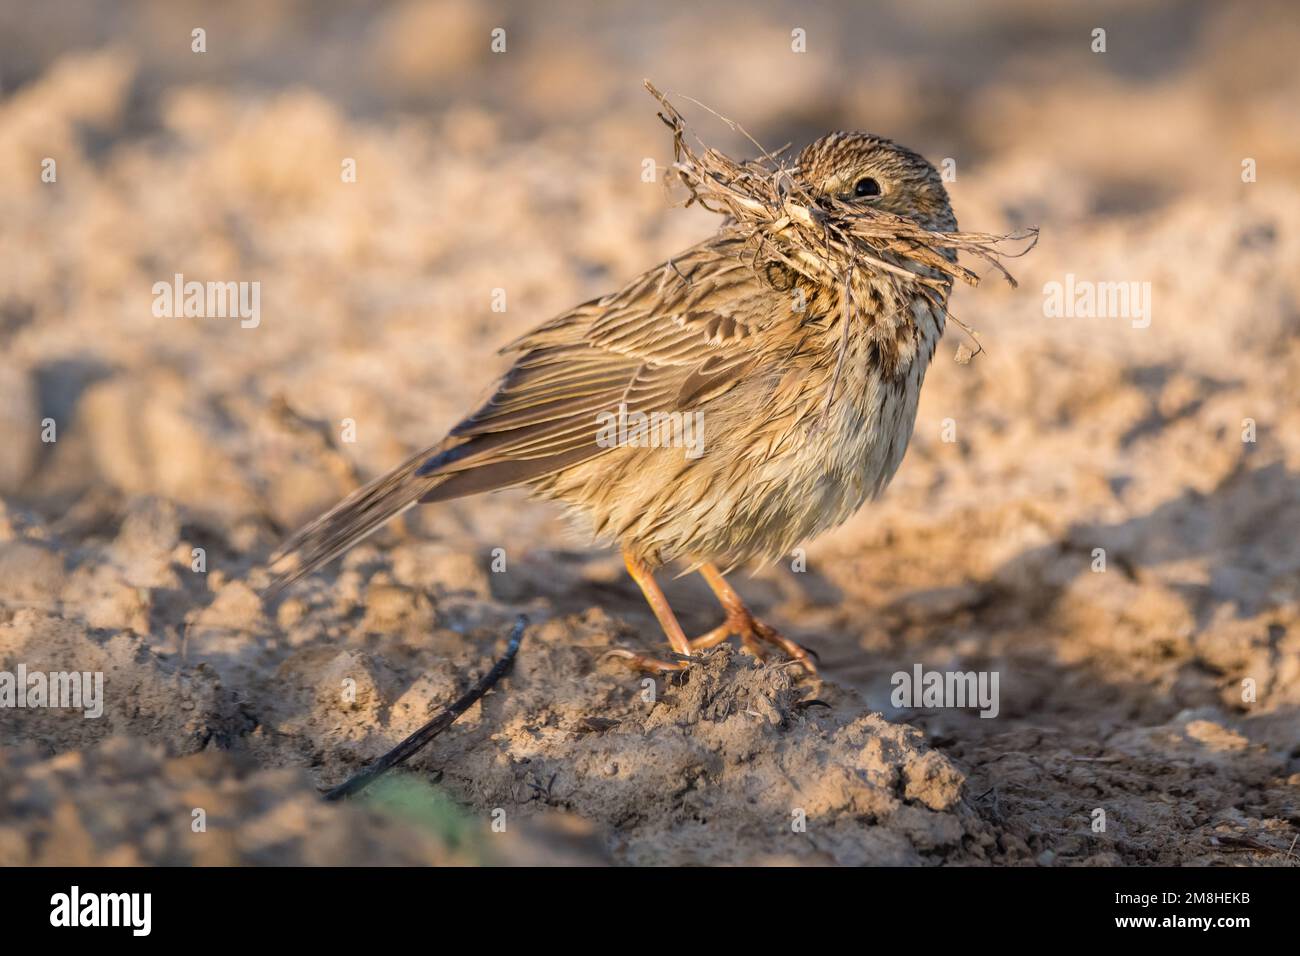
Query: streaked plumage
(722, 330)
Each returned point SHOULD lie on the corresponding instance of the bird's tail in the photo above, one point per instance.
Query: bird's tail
(353, 519)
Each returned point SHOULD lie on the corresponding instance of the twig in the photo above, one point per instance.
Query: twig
(1247, 842)
(965, 356)
(824, 238)
(763, 197)
(418, 740)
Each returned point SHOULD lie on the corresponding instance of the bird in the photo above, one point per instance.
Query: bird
(794, 396)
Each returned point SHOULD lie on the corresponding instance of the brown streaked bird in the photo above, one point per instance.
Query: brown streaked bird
(804, 418)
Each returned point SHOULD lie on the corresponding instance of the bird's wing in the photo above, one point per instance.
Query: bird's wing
(671, 339)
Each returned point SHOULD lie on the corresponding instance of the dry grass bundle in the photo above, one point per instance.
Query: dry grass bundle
(822, 237)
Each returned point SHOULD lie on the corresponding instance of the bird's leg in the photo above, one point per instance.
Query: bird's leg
(741, 622)
(654, 596)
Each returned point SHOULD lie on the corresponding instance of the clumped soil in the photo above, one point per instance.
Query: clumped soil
(1104, 513)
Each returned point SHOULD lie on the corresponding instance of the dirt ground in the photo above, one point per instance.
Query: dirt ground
(1105, 515)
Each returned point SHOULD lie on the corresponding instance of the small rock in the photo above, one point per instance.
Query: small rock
(934, 781)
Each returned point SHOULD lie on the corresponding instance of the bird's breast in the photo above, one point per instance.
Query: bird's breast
(873, 414)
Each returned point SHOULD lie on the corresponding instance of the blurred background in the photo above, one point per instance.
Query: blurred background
(1174, 448)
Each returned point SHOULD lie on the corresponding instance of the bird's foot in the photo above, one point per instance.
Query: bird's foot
(754, 634)
(648, 662)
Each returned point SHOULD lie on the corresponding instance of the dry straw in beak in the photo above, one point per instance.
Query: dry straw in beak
(822, 237)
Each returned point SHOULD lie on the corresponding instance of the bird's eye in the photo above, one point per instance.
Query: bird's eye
(866, 186)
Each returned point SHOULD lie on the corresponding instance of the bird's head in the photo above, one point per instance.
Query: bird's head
(862, 168)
